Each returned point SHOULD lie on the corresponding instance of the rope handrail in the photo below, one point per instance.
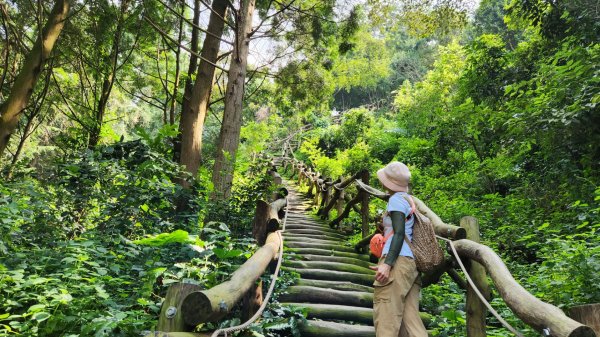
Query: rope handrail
(476, 290)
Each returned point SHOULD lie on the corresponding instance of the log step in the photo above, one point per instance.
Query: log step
(336, 285)
(307, 231)
(311, 223)
(311, 232)
(328, 252)
(314, 328)
(323, 240)
(312, 236)
(331, 232)
(345, 313)
(332, 275)
(341, 259)
(327, 296)
(320, 246)
(336, 312)
(328, 265)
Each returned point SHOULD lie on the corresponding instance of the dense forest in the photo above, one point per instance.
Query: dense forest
(132, 131)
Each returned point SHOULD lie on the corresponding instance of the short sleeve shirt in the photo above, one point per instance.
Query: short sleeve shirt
(398, 203)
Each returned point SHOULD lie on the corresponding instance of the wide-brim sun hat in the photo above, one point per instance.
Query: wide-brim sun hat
(395, 176)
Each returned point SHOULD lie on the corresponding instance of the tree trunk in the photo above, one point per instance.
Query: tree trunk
(189, 86)
(229, 137)
(24, 84)
(193, 115)
(109, 79)
(173, 102)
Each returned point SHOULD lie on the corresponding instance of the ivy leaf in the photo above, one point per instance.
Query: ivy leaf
(544, 225)
(178, 236)
(223, 254)
(41, 316)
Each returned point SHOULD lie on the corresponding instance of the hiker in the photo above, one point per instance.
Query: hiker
(397, 282)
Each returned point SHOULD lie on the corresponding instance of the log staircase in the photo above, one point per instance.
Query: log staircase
(335, 282)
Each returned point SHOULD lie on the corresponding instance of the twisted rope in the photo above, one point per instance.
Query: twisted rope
(481, 298)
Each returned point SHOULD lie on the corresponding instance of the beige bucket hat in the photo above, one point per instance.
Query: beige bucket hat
(395, 176)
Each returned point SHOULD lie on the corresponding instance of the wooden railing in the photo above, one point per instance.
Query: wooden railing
(187, 305)
(328, 193)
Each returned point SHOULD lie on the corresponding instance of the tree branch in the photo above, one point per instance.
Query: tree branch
(183, 47)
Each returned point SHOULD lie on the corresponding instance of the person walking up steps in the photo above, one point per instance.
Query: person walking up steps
(397, 282)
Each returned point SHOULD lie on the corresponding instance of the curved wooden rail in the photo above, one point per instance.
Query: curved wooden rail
(534, 312)
(186, 305)
(214, 303)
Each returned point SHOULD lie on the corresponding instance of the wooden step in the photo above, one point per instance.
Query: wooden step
(336, 312)
(332, 275)
(314, 328)
(297, 226)
(312, 236)
(333, 247)
(341, 259)
(307, 294)
(324, 240)
(328, 265)
(306, 231)
(327, 252)
(336, 285)
(312, 223)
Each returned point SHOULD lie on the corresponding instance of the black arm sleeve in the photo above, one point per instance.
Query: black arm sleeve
(398, 219)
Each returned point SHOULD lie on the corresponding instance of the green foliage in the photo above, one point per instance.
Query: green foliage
(91, 250)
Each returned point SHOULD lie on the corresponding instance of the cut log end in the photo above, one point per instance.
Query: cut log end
(583, 331)
(196, 307)
(273, 225)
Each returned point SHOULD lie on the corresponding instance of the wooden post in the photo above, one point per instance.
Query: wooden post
(340, 203)
(325, 194)
(259, 225)
(335, 222)
(476, 310)
(317, 191)
(311, 184)
(364, 205)
(588, 314)
(171, 319)
(252, 301)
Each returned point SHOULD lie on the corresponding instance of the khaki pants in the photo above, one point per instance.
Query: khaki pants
(396, 303)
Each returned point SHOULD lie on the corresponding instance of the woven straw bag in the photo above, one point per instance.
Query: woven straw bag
(424, 245)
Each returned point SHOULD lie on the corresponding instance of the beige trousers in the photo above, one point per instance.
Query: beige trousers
(396, 303)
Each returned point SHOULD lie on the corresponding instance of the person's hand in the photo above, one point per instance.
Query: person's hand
(383, 272)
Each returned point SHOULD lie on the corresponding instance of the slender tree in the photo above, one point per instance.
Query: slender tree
(12, 109)
(110, 75)
(229, 137)
(193, 115)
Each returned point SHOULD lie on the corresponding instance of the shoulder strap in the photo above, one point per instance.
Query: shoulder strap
(410, 200)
